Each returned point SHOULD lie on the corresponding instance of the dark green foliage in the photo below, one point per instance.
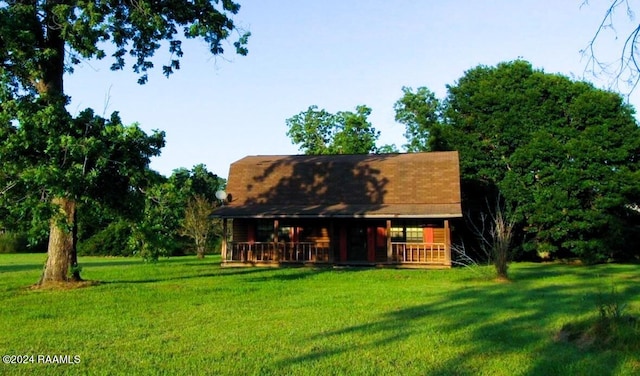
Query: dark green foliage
(111, 241)
(11, 242)
(157, 233)
(564, 154)
(198, 181)
(148, 223)
(93, 160)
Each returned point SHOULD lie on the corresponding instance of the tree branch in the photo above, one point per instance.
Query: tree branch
(627, 67)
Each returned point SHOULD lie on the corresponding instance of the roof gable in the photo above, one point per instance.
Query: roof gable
(399, 185)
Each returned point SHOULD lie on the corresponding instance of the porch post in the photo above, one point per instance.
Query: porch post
(223, 248)
(276, 246)
(447, 243)
(389, 250)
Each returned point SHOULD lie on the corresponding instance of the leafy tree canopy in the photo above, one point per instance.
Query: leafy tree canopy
(420, 112)
(90, 159)
(565, 154)
(320, 132)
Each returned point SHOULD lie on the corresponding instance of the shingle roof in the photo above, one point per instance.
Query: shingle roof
(425, 185)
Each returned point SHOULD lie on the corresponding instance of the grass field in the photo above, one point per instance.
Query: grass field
(189, 316)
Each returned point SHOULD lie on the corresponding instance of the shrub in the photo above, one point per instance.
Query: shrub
(11, 242)
(111, 241)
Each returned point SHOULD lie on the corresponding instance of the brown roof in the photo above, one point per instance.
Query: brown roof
(414, 185)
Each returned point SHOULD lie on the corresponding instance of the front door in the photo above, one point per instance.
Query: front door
(357, 243)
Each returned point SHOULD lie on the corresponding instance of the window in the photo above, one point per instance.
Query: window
(409, 232)
(414, 234)
(397, 234)
(264, 231)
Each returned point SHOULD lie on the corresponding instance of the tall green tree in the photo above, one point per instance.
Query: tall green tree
(565, 154)
(320, 132)
(420, 112)
(41, 41)
(86, 159)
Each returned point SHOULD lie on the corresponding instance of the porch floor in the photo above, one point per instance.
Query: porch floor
(335, 265)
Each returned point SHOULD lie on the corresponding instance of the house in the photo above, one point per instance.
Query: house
(386, 209)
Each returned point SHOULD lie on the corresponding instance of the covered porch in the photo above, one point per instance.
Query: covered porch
(408, 243)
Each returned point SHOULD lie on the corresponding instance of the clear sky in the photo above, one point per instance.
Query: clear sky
(335, 54)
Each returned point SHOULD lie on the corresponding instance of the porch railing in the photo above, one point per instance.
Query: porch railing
(420, 253)
(311, 252)
(296, 252)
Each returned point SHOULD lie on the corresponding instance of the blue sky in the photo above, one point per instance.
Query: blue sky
(335, 54)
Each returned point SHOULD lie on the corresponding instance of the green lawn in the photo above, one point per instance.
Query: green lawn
(189, 316)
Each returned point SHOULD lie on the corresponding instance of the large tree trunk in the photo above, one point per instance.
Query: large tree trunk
(61, 250)
(50, 85)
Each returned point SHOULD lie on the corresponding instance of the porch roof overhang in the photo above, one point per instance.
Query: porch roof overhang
(435, 211)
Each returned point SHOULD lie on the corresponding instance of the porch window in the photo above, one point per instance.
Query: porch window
(397, 234)
(409, 232)
(414, 234)
(264, 231)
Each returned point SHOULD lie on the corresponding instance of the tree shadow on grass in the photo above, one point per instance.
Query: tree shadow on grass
(294, 273)
(528, 272)
(490, 324)
(216, 273)
(106, 261)
(12, 268)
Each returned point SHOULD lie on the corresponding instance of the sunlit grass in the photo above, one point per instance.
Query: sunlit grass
(189, 316)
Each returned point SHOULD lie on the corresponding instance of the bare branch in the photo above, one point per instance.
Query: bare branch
(626, 69)
(495, 234)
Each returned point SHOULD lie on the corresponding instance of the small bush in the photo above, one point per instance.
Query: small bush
(12, 243)
(111, 241)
